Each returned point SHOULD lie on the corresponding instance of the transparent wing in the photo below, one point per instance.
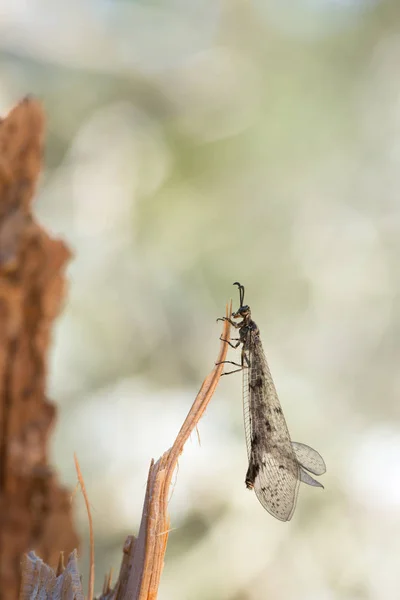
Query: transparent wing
(277, 488)
(309, 458)
(276, 465)
(306, 478)
(246, 404)
(274, 471)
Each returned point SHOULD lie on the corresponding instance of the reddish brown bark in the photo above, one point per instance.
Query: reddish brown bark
(35, 511)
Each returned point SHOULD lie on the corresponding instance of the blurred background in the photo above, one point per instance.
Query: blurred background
(190, 144)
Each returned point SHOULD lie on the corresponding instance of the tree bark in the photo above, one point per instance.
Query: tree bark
(35, 511)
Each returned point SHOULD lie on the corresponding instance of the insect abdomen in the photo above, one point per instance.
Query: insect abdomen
(251, 475)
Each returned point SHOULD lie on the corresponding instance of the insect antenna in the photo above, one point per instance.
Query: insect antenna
(241, 291)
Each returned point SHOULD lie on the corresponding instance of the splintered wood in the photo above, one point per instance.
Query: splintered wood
(35, 510)
(42, 583)
(143, 559)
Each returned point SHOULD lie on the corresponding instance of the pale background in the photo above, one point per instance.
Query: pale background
(190, 144)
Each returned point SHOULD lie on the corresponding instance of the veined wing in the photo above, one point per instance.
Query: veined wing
(274, 471)
(311, 460)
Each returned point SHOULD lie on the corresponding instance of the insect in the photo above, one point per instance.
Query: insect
(276, 464)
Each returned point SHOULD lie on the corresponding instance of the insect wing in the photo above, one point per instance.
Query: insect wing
(306, 478)
(274, 471)
(309, 458)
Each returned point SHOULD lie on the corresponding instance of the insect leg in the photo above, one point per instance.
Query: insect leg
(230, 372)
(236, 325)
(242, 366)
(228, 342)
(229, 362)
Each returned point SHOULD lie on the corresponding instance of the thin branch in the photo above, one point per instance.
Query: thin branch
(91, 536)
(140, 577)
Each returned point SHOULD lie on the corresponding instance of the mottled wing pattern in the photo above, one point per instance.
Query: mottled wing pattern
(274, 470)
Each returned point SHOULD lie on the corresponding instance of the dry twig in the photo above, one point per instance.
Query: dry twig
(143, 561)
(91, 536)
(143, 558)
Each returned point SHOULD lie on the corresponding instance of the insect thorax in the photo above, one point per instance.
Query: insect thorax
(247, 330)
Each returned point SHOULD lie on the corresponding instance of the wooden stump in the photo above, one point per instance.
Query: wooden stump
(35, 511)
